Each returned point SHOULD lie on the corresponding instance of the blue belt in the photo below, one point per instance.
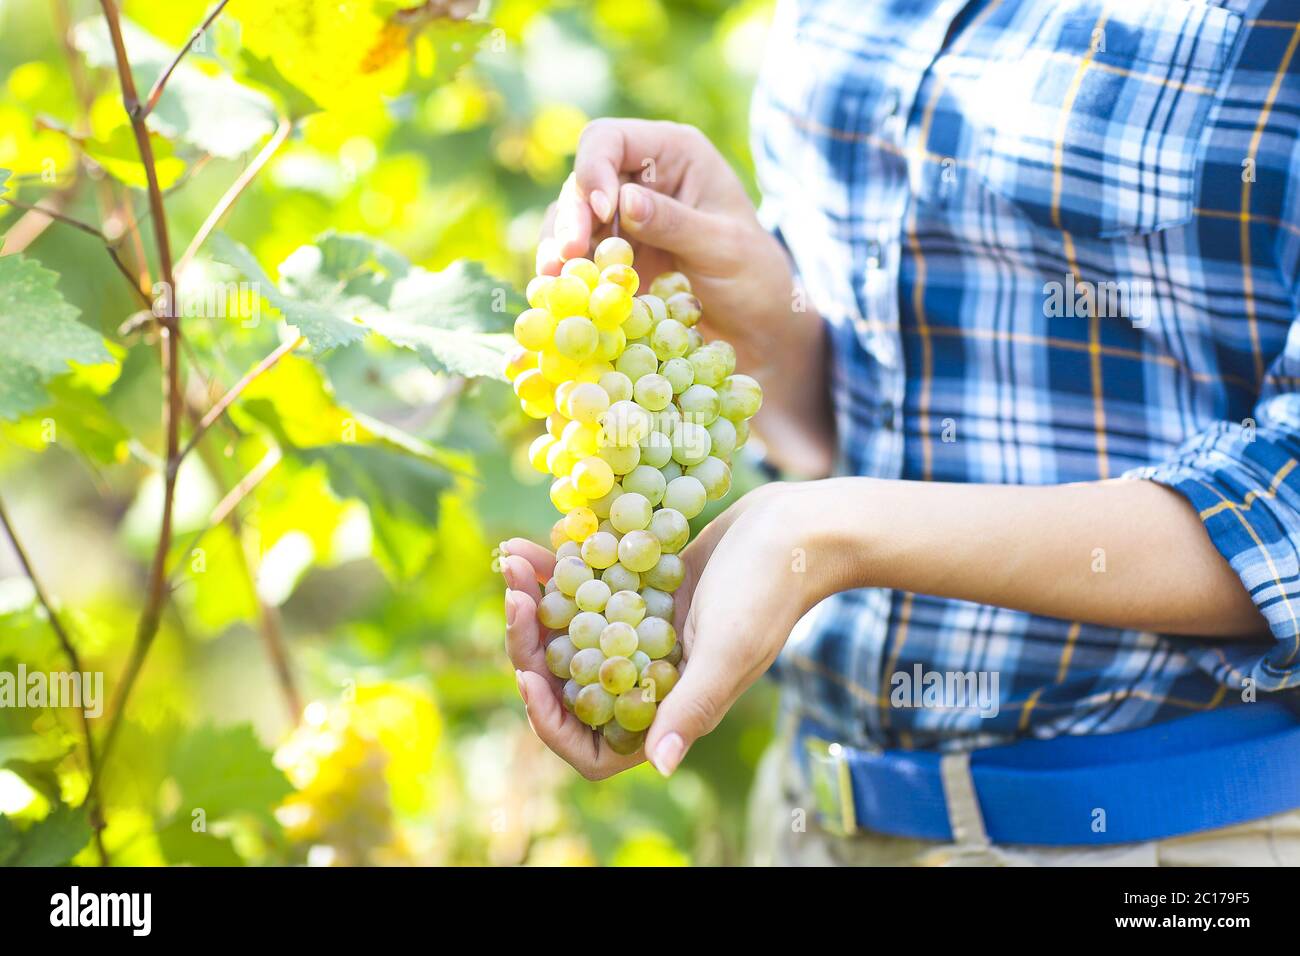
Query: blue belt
(1195, 773)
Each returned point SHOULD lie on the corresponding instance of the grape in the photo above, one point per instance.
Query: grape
(699, 404)
(713, 474)
(674, 656)
(534, 328)
(608, 528)
(586, 626)
(655, 636)
(659, 677)
(668, 339)
(632, 710)
(621, 459)
(742, 434)
(600, 550)
(591, 596)
(594, 479)
(594, 705)
(537, 409)
(617, 674)
(645, 481)
(564, 496)
(625, 607)
(667, 420)
(653, 392)
(696, 339)
(722, 437)
(741, 397)
(609, 346)
(602, 504)
(613, 250)
(555, 425)
(576, 338)
(557, 368)
(617, 386)
(630, 512)
(709, 366)
(587, 402)
(639, 320)
(585, 665)
(623, 276)
(728, 355)
(610, 305)
(584, 269)
(618, 639)
(641, 661)
(567, 295)
(656, 449)
(636, 360)
(519, 361)
(591, 370)
(558, 655)
(684, 308)
(559, 459)
(532, 386)
(691, 443)
(638, 551)
(536, 291)
(667, 574)
(671, 528)
(657, 603)
(622, 741)
(567, 548)
(620, 578)
(679, 373)
(538, 449)
(556, 610)
(669, 284)
(558, 540)
(670, 471)
(570, 574)
(580, 523)
(625, 424)
(687, 495)
(570, 693)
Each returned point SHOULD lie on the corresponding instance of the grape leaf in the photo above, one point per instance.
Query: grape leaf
(180, 843)
(52, 841)
(214, 113)
(226, 771)
(336, 288)
(39, 335)
(263, 72)
(326, 324)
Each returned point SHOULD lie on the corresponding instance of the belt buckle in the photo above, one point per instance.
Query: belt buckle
(832, 785)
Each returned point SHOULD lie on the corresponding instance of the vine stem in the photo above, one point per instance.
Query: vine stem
(74, 659)
(156, 92)
(156, 593)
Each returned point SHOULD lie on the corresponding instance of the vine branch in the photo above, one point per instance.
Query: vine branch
(156, 92)
(74, 659)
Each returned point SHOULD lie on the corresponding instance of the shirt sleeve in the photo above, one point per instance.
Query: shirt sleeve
(1243, 478)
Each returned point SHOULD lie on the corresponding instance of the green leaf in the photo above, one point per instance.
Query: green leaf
(226, 771)
(326, 324)
(454, 43)
(180, 843)
(39, 335)
(214, 113)
(262, 71)
(454, 320)
(119, 154)
(53, 841)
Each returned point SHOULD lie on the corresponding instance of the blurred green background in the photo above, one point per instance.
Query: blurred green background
(409, 743)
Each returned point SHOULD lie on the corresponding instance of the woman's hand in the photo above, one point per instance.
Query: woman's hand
(685, 210)
(742, 594)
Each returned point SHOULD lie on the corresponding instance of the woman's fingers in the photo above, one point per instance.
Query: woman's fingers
(569, 737)
(542, 559)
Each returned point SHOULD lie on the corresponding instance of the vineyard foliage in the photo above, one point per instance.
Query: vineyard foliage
(256, 505)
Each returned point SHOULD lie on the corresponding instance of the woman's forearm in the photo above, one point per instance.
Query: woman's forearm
(1122, 553)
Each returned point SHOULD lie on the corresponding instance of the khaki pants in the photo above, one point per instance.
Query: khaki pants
(783, 831)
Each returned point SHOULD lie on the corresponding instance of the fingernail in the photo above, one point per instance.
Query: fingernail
(636, 206)
(669, 754)
(600, 203)
(523, 688)
(509, 574)
(510, 610)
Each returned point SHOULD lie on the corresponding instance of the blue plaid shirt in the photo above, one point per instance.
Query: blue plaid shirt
(1052, 241)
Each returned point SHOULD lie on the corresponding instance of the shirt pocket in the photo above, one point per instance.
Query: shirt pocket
(1095, 125)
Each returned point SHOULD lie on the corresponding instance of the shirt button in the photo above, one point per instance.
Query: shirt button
(890, 103)
(889, 415)
(873, 254)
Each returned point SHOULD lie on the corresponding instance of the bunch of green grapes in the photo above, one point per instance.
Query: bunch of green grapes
(642, 418)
